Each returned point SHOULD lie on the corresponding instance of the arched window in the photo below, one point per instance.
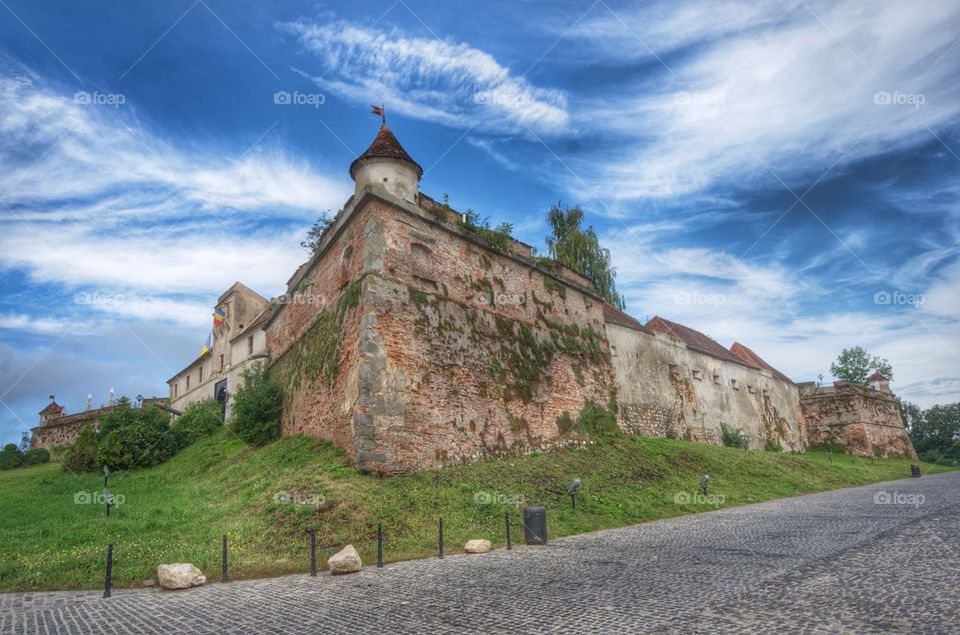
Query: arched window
(344, 277)
(422, 259)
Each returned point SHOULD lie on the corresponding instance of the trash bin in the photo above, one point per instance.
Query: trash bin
(535, 525)
(915, 471)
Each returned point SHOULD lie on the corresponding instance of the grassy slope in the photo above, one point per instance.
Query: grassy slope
(177, 512)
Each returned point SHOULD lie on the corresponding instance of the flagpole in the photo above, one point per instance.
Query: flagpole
(383, 113)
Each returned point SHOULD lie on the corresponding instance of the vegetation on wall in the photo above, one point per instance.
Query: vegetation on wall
(257, 407)
(856, 365)
(316, 232)
(315, 354)
(579, 249)
(733, 437)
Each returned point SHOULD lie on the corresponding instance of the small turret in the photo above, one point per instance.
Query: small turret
(879, 382)
(385, 164)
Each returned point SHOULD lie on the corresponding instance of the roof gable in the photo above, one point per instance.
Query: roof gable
(695, 340)
(752, 358)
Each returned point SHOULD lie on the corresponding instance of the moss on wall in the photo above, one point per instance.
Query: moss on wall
(315, 354)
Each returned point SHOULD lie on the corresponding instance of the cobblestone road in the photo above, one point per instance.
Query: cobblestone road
(836, 562)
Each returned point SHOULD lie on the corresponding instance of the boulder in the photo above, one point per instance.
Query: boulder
(347, 560)
(180, 576)
(477, 546)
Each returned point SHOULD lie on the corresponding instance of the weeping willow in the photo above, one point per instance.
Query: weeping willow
(579, 249)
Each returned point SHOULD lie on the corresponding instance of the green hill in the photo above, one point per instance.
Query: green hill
(176, 512)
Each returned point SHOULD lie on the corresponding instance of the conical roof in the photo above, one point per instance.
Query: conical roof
(384, 146)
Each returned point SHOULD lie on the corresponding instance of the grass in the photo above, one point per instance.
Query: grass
(176, 512)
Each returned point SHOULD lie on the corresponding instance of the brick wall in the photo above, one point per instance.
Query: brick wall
(866, 421)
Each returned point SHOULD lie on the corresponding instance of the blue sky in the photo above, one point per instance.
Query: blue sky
(780, 174)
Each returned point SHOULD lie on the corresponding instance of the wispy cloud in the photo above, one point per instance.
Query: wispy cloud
(443, 81)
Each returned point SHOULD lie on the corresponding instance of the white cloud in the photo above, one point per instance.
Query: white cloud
(760, 98)
(436, 80)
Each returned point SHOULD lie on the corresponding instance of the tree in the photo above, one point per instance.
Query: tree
(935, 432)
(312, 242)
(10, 457)
(256, 407)
(134, 437)
(855, 365)
(580, 250)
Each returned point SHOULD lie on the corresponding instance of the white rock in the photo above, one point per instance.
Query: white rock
(347, 560)
(477, 546)
(180, 576)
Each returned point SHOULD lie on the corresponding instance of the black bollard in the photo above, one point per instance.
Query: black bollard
(379, 546)
(223, 571)
(573, 500)
(506, 518)
(313, 553)
(915, 471)
(108, 578)
(441, 539)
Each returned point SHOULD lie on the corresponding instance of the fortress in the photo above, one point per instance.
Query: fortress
(412, 340)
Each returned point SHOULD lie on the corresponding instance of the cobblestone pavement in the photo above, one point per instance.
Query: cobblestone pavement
(837, 562)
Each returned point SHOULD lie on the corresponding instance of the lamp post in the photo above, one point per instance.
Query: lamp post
(572, 490)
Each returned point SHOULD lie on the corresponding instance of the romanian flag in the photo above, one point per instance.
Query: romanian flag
(218, 317)
(207, 344)
(378, 110)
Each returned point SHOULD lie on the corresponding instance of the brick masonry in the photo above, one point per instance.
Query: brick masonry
(866, 421)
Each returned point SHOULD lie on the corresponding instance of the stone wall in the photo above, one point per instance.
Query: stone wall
(64, 430)
(446, 350)
(865, 421)
(667, 389)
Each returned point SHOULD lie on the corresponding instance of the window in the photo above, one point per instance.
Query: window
(698, 374)
(716, 378)
(422, 260)
(221, 361)
(201, 375)
(733, 382)
(751, 389)
(175, 391)
(250, 345)
(188, 382)
(673, 370)
(345, 266)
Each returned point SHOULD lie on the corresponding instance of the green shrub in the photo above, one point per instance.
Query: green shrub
(10, 457)
(733, 437)
(199, 420)
(135, 437)
(772, 446)
(256, 407)
(597, 421)
(36, 456)
(82, 455)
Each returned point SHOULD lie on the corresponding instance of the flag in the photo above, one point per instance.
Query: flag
(378, 110)
(218, 316)
(207, 345)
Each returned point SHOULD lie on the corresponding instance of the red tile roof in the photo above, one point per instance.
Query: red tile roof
(385, 146)
(753, 359)
(877, 376)
(615, 316)
(695, 340)
(53, 408)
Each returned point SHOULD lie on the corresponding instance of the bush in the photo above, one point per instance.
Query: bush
(10, 457)
(733, 437)
(256, 407)
(82, 455)
(772, 446)
(597, 421)
(36, 456)
(200, 419)
(134, 437)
